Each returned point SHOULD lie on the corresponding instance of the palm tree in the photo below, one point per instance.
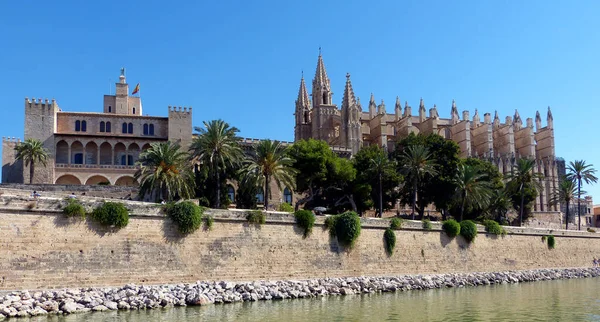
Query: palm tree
(578, 171)
(269, 161)
(165, 169)
(217, 147)
(472, 188)
(32, 151)
(521, 177)
(379, 164)
(565, 192)
(416, 164)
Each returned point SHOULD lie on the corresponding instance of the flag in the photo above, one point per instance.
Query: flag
(136, 89)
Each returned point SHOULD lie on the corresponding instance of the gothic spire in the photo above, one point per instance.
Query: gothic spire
(303, 100)
(372, 106)
(381, 108)
(549, 117)
(454, 108)
(398, 107)
(321, 80)
(349, 100)
(517, 117)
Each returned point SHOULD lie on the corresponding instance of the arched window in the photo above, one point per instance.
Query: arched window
(130, 128)
(102, 126)
(134, 110)
(145, 129)
(109, 109)
(260, 197)
(231, 193)
(124, 130)
(83, 126)
(325, 98)
(287, 196)
(151, 132)
(123, 159)
(77, 126)
(108, 127)
(129, 159)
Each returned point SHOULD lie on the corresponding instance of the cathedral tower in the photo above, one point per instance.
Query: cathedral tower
(302, 130)
(350, 119)
(323, 109)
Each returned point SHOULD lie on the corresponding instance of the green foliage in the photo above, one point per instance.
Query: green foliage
(427, 224)
(347, 228)
(451, 227)
(396, 223)
(256, 217)
(551, 242)
(473, 189)
(165, 169)
(390, 241)
(493, 227)
(246, 194)
(565, 193)
(74, 208)
(286, 207)
(186, 215)
(104, 183)
(523, 185)
(209, 222)
(468, 230)
(544, 238)
(206, 187)
(591, 230)
(306, 220)
(203, 202)
(112, 214)
(330, 224)
(31, 152)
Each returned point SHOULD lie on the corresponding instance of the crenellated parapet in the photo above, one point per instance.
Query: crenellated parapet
(180, 125)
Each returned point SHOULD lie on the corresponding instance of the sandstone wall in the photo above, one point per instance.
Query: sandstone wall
(39, 248)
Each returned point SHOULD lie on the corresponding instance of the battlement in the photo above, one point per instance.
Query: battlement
(178, 109)
(41, 103)
(8, 139)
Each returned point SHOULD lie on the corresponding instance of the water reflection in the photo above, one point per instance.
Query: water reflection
(568, 300)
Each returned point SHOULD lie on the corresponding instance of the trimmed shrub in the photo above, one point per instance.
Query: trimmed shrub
(256, 217)
(396, 223)
(451, 227)
(286, 207)
(203, 202)
(591, 230)
(74, 208)
(186, 215)
(111, 214)
(209, 222)
(389, 236)
(306, 220)
(468, 230)
(544, 238)
(551, 242)
(347, 228)
(493, 227)
(427, 224)
(330, 224)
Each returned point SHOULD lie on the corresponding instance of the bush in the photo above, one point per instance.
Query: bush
(74, 208)
(286, 207)
(186, 215)
(451, 227)
(427, 224)
(347, 228)
(468, 230)
(111, 214)
(306, 220)
(591, 230)
(396, 223)
(544, 238)
(389, 236)
(209, 222)
(551, 242)
(256, 217)
(330, 224)
(493, 227)
(203, 202)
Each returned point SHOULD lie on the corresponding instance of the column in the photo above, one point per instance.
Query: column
(112, 155)
(70, 156)
(98, 155)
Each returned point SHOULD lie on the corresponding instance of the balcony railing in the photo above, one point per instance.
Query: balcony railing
(95, 166)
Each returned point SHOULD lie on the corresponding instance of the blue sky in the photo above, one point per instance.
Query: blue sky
(242, 60)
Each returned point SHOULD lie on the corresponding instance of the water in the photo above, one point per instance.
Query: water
(564, 300)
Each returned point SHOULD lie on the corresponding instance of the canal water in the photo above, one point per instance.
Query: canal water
(564, 300)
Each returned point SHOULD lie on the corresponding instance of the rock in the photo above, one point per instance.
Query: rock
(99, 308)
(111, 305)
(69, 307)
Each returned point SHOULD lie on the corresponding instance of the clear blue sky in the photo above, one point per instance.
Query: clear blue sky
(242, 60)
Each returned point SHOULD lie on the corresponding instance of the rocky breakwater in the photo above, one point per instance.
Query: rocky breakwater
(132, 297)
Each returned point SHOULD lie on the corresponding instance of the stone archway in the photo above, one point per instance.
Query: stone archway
(126, 181)
(62, 152)
(67, 179)
(97, 179)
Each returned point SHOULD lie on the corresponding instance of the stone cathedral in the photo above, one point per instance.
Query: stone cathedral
(349, 128)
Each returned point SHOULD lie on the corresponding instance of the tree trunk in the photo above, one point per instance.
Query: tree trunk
(266, 196)
(380, 197)
(218, 201)
(521, 210)
(31, 172)
(462, 207)
(567, 219)
(579, 202)
(414, 203)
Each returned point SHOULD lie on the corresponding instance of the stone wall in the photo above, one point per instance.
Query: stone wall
(100, 191)
(40, 248)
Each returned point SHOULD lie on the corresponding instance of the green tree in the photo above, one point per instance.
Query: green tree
(416, 165)
(165, 169)
(32, 151)
(270, 161)
(566, 192)
(217, 147)
(375, 169)
(472, 188)
(499, 203)
(523, 183)
(578, 170)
